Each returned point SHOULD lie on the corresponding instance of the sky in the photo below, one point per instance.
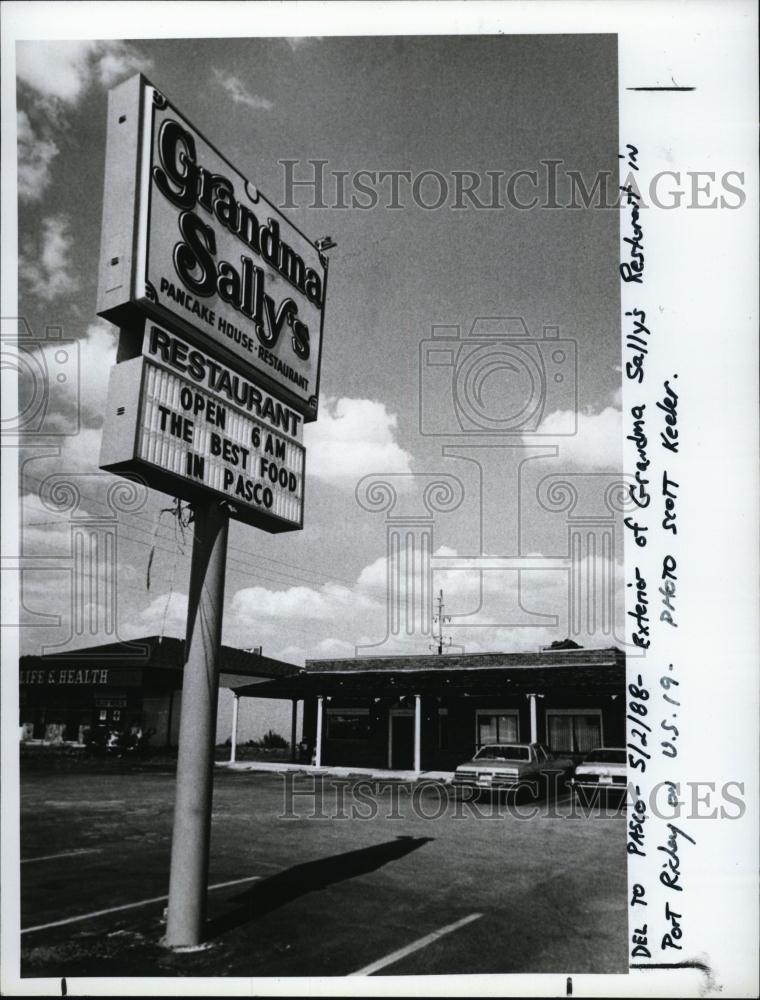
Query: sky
(445, 104)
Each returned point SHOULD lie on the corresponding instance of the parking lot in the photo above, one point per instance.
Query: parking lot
(395, 880)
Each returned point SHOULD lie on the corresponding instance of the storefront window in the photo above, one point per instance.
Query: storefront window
(351, 724)
(574, 733)
(497, 727)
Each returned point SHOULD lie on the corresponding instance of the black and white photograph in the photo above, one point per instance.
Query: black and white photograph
(379, 443)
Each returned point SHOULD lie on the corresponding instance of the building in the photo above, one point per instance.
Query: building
(139, 683)
(433, 712)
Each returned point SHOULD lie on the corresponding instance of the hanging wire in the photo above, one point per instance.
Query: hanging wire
(182, 517)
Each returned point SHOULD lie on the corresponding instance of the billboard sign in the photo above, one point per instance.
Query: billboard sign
(226, 385)
(190, 242)
(196, 444)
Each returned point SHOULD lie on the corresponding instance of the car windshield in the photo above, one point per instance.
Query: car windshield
(497, 752)
(605, 756)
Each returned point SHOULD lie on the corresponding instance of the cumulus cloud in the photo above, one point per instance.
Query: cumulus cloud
(596, 445)
(352, 438)
(35, 156)
(115, 61)
(166, 615)
(70, 378)
(97, 353)
(45, 531)
(45, 265)
(509, 609)
(330, 602)
(59, 72)
(53, 77)
(330, 648)
(239, 93)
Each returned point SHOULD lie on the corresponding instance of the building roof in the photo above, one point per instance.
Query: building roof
(167, 653)
(598, 670)
(470, 661)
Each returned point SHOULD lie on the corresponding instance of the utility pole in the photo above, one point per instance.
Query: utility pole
(441, 641)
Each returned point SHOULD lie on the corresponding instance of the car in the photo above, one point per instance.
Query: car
(602, 773)
(504, 768)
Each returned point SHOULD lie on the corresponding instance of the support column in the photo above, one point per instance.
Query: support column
(233, 738)
(417, 733)
(533, 719)
(293, 729)
(318, 746)
(188, 879)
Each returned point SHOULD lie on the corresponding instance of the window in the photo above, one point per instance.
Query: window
(348, 724)
(495, 726)
(574, 730)
(499, 752)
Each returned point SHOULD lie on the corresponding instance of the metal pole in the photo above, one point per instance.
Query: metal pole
(233, 738)
(188, 878)
(533, 719)
(417, 733)
(293, 729)
(318, 748)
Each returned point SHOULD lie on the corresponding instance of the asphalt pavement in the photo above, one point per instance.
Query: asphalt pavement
(331, 877)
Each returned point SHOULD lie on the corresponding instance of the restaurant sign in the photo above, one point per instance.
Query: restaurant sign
(190, 242)
(193, 428)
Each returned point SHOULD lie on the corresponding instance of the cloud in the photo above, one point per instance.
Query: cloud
(97, 353)
(165, 615)
(35, 156)
(330, 602)
(352, 438)
(506, 609)
(45, 532)
(240, 93)
(59, 72)
(116, 60)
(73, 373)
(596, 445)
(46, 267)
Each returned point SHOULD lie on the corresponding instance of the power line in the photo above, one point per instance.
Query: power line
(299, 576)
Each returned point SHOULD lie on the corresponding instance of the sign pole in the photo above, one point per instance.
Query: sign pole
(188, 879)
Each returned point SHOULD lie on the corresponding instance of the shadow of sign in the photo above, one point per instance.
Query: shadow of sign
(312, 876)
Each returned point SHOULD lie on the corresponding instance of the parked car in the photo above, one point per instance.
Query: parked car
(505, 767)
(602, 773)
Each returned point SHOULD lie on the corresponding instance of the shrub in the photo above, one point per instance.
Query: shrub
(273, 741)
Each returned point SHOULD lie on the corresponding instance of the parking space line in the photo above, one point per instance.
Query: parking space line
(423, 942)
(128, 906)
(64, 854)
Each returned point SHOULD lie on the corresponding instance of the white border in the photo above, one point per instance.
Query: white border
(709, 37)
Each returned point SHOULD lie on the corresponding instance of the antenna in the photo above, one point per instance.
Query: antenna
(440, 619)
